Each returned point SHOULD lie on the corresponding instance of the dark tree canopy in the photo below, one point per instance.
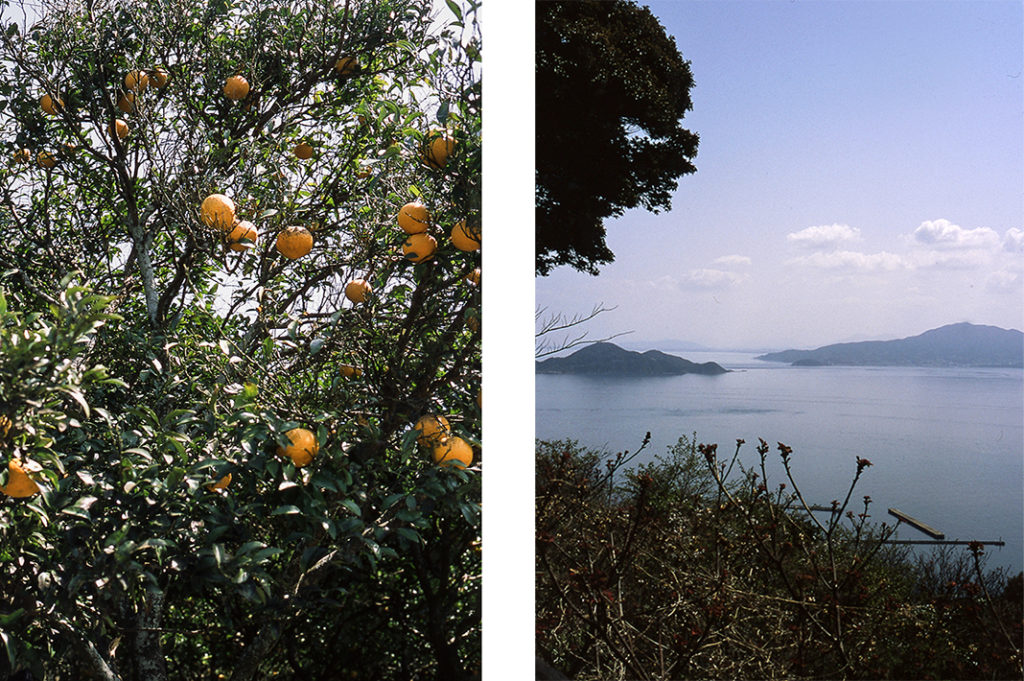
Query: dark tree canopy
(611, 90)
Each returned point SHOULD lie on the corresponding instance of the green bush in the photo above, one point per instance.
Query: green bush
(694, 567)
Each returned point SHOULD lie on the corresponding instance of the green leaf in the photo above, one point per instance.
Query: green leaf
(352, 506)
(265, 554)
(411, 535)
(7, 647)
(248, 547)
(469, 513)
(77, 396)
(287, 509)
(76, 512)
(174, 478)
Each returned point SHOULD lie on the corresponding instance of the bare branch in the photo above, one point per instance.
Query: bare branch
(559, 322)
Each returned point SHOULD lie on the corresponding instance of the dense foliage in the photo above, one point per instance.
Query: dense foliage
(695, 567)
(147, 355)
(611, 88)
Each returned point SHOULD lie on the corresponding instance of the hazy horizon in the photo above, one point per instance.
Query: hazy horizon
(859, 178)
(653, 343)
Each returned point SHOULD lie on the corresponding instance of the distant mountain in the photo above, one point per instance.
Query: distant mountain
(968, 345)
(608, 359)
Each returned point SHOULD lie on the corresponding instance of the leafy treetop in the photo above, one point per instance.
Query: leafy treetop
(611, 89)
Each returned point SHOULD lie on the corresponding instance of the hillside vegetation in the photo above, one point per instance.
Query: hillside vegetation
(969, 345)
(608, 359)
(694, 567)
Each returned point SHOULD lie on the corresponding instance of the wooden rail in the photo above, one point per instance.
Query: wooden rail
(915, 523)
(939, 537)
(944, 541)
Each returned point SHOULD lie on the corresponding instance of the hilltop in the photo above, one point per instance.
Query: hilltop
(963, 344)
(608, 359)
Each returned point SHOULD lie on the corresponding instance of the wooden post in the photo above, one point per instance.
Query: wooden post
(946, 542)
(913, 522)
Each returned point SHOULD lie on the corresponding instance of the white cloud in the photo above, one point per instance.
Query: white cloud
(853, 260)
(710, 279)
(824, 236)
(732, 260)
(950, 260)
(944, 234)
(1004, 281)
(1014, 240)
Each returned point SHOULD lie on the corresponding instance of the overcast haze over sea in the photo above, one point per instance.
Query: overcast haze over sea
(946, 444)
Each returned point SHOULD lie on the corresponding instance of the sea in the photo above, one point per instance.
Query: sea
(946, 444)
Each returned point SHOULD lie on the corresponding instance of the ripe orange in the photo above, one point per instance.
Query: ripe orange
(453, 452)
(474, 277)
(303, 151)
(413, 218)
(303, 447)
(348, 371)
(346, 66)
(437, 150)
(136, 80)
(236, 88)
(242, 230)
(126, 102)
(218, 211)
(119, 128)
(19, 485)
(22, 156)
(419, 247)
(159, 76)
(433, 430)
(51, 105)
(46, 160)
(294, 242)
(466, 238)
(357, 290)
(220, 484)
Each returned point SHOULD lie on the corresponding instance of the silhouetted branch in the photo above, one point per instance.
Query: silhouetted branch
(555, 323)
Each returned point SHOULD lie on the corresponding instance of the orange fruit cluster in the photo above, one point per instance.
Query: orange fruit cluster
(446, 449)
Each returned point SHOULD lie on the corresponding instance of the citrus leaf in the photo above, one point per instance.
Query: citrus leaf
(411, 535)
(287, 509)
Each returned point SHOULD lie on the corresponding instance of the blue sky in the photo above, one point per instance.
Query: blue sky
(859, 176)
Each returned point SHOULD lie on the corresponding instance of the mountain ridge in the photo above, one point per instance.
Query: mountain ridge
(608, 359)
(962, 344)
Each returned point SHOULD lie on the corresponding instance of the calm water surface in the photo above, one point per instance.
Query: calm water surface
(947, 444)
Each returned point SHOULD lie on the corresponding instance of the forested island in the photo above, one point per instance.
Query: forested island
(608, 359)
(963, 344)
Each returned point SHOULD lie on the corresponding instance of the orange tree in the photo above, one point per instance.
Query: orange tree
(162, 351)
